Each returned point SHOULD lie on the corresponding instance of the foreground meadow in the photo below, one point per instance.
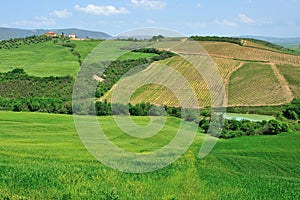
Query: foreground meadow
(42, 157)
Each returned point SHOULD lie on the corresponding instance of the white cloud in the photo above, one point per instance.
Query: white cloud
(61, 13)
(199, 5)
(35, 22)
(101, 10)
(226, 22)
(149, 3)
(245, 19)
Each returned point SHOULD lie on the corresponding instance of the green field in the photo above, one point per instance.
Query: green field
(43, 158)
(43, 59)
(49, 59)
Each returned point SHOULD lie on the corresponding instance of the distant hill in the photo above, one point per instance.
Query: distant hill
(7, 33)
(285, 42)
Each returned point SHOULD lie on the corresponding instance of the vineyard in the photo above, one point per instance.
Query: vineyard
(292, 75)
(248, 72)
(255, 84)
(235, 51)
(161, 95)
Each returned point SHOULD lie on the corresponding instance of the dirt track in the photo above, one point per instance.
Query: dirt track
(283, 83)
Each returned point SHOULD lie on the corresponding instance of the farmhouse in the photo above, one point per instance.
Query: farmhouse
(51, 34)
(72, 35)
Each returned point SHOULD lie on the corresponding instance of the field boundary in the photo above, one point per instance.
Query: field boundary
(227, 79)
(283, 82)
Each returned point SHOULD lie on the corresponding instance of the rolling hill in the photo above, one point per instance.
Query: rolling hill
(8, 33)
(252, 74)
(42, 157)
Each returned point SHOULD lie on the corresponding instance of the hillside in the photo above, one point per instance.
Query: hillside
(42, 157)
(8, 33)
(252, 74)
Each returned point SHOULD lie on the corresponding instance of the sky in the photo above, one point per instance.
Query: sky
(277, 18)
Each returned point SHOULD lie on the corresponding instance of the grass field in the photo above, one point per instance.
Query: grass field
(84, 47)
(255, 84)
(113, 49)
(43, 59)
(49, 59)
(43, 158)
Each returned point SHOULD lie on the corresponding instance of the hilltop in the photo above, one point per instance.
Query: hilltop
(8, 33)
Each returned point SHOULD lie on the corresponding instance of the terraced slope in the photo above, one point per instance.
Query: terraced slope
(292, 75)
(234, 51)
(249, 74)
(255, 84)
(161, 95)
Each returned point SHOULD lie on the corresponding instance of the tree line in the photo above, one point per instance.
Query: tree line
(218, 39)
(17, 42)
(230, 128)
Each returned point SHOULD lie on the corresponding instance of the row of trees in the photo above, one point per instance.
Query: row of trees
(17, 84)
(235, 128)
(293, 110)
(72, 46)
(36, 104)
(218, 39)
(17, 42)
(213, 124)
(142, 109)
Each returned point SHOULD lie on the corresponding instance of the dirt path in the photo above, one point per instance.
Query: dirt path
(283, 83)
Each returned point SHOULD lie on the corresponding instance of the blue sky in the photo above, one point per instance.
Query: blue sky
(278, 18)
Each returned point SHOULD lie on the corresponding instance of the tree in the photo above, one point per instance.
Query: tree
(273, 127)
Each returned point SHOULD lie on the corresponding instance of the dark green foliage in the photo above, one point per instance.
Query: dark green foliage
(17, 42)
(204, 124)
(36, 104)
(266, 43)
(173, 111)
(115, 71)
(17, 84)
(161, 54)
(21, 92)
(75, 53)
(118, 68)
(103, 109)
(234, 128)
(293, 110)
(217, 39)
(141, 109)
(69, 44)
